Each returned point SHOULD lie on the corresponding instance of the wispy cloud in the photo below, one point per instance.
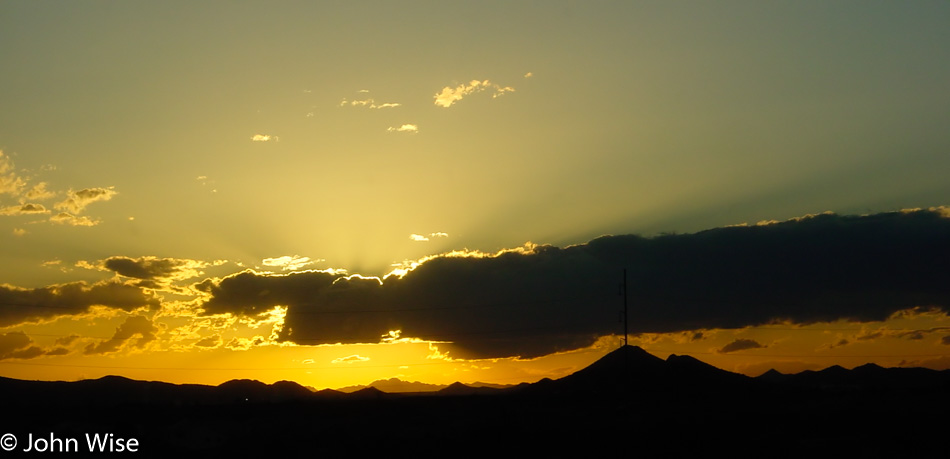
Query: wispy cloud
(210, 341)
(528, 75)
(39, 192)
(10, 182)
(74, 204)
(264, 138)
(289, 263)
(66, 218)
(450, 95)
(410, 128)
(77, 201)
(368, 103)
(421, 238)
(203, 180)
(350, 359)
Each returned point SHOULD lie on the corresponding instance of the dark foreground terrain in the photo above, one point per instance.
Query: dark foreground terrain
(628, 403)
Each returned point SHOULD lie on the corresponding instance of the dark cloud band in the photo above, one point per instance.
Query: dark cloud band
(814, 269)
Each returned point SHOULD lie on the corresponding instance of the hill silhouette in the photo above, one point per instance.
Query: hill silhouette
(673, 406)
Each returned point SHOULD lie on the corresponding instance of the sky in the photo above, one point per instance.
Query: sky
(337, 192)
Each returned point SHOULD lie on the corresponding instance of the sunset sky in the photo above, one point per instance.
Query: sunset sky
(338, 192)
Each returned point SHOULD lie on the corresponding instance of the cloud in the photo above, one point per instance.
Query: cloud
(203, 180)
(24, 209)
(65, 218)
(740, 345)
(57, 351)
(528, 75)
(210, 341)
(66, 340)
(350, 359)
(541, 299)
(421, 238)
(76, 201)
(450, 95)
(263, 138)
(19, 231)
(28, 305)
(368, 102)
(153, 268)
(10, 182)
(134, 326)
(39, 192)
(289, 263)
(410, 128)
(17, 345)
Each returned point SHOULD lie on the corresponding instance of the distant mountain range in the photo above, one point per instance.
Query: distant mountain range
(629, 368)
(627, 389)
(396, 386)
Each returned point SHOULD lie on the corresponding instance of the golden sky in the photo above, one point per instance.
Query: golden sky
(340, 192)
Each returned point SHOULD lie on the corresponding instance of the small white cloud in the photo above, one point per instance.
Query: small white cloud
(528, 75)
(19, 231)
(263, 138)
(501, 91)
(418, 238)
(290, 263)
(450, 95)
(368, 103)
(410, 128)
(439, 234)
(350, 359)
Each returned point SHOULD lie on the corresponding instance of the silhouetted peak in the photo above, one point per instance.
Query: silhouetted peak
(242, 384)
(688, 361)
(633, 356)
(834, 370)
(368, 392)
(457, 388)
(773, 376)
(869, 367)
(112, 379)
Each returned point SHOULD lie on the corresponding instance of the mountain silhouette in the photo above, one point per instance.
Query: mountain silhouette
(676, 406)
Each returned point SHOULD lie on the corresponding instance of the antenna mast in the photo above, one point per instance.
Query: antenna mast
(625, 307)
